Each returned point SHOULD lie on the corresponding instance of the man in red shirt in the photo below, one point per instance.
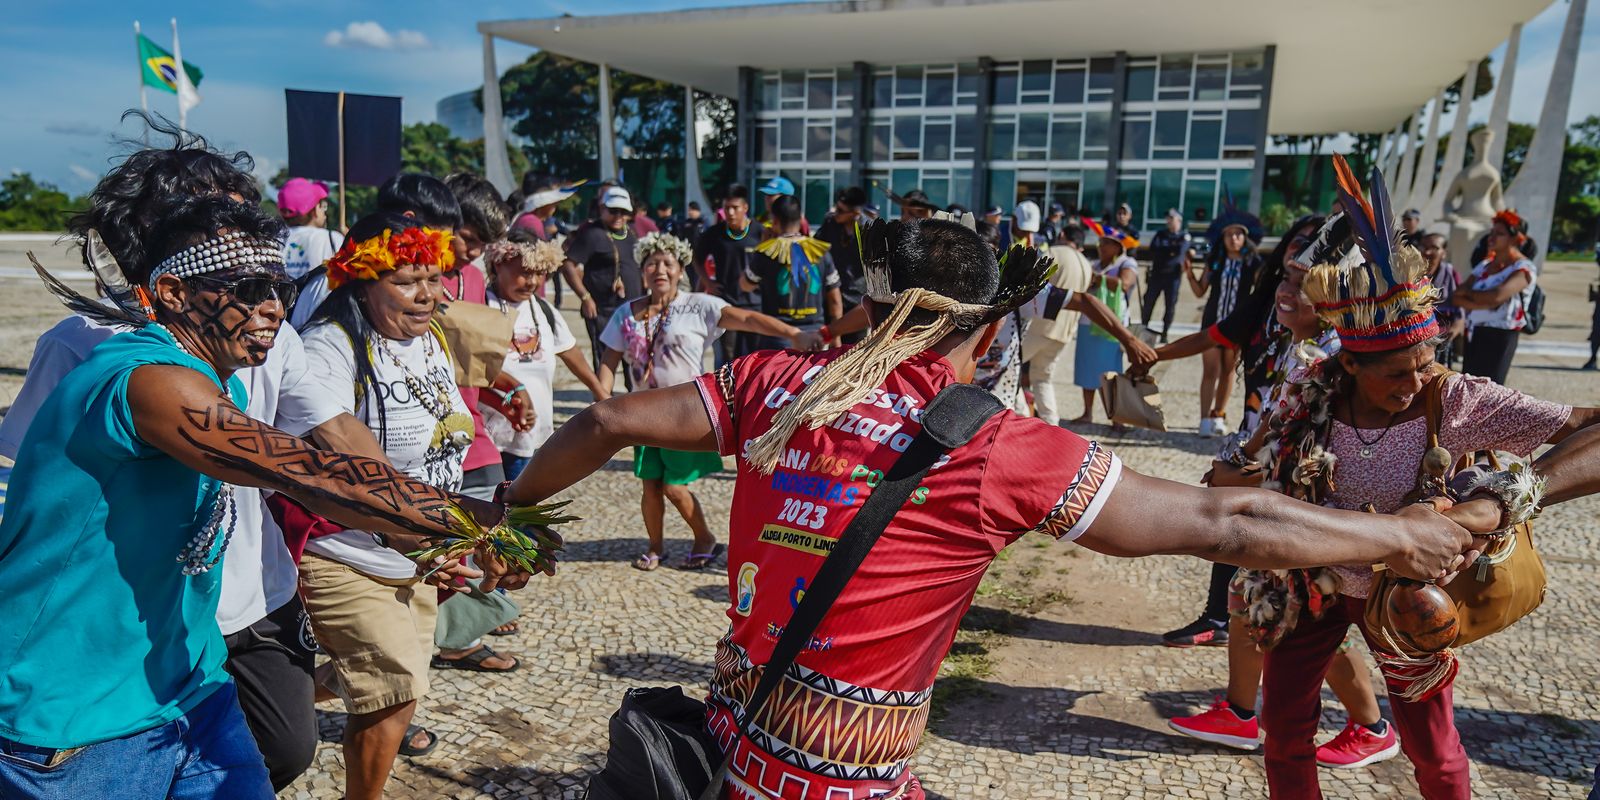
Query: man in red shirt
(847, 719)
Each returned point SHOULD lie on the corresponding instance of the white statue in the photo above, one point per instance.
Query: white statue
(1472, 201)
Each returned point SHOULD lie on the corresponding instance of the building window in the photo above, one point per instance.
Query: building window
(1102, 77)
(1239, 135)
(1066, 138)
(1166, 191)
(1096, 132)
(1141, 80)
(1211, 77)
(1070, 78)
(1205, 135)
(1136, 136)
(1176, 77)
(1171, 139)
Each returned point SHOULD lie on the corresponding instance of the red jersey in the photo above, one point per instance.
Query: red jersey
(847, 719)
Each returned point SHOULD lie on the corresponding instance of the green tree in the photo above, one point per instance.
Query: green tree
(30, 205)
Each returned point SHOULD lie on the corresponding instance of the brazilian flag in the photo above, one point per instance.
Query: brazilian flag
(160, 69)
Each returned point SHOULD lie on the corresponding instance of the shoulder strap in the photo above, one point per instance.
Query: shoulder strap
(549, 313)
(1435, 400)
(950, 421)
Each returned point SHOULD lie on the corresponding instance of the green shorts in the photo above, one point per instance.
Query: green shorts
(676, 467)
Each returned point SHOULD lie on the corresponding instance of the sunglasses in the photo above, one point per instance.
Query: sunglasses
(255, 291)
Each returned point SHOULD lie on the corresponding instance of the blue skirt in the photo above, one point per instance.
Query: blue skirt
(1095, 356)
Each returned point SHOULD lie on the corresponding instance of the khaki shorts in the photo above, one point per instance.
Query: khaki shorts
(378, 631)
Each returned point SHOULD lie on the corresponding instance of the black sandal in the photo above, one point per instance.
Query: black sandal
(412, 751)
(473, 661)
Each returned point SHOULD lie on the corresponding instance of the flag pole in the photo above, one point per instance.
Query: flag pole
(177, 56)
(138, 58)
(342, 223)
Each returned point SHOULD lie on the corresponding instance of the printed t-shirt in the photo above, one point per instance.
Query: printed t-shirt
(531, 359)
(416, 442)
(844, 245)
(105, 636)
(1512, 315)
(604, 258)
(1230, 279)
(260, 575)
(306, 247)
(851, 712)
(794, 291)
(674, 354)
(1475, 414)
(311, 296)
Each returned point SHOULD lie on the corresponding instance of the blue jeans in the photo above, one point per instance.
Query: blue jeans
(207, 753)
(514, 464)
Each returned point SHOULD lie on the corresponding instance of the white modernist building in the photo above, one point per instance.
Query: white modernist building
(1157, 103)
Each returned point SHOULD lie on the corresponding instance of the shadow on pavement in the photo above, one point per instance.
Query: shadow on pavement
(654, 667)
(1041, 720)
(983, 618)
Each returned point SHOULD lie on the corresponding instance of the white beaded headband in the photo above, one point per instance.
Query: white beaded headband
(212, 255)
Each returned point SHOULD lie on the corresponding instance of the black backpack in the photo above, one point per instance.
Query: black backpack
(1533, 314)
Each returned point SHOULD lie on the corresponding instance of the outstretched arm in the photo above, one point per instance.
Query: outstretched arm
(673, 418)
(734, 318)
(579, 365)
(1261, 529)
(1100, 314)
(183, 414)
(1571, 470)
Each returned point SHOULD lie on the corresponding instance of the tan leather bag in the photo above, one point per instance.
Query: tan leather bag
(1132, 401)
(1507, 584)
(478, 337)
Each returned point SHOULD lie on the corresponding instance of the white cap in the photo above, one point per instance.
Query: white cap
(1026, 216)
(617, 197)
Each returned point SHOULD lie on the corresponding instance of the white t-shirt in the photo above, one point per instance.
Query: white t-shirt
(311, 295)
(678, 354)
(307, 247)
(531, 359)
(416, 441)
(258, 573)
(1512, 314)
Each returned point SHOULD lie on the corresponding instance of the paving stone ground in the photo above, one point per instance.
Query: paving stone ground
(1072, 690)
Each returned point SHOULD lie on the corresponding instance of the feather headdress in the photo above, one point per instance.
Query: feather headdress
(1384, 301)
(129, 305)
(1233, 216)
(843, 382)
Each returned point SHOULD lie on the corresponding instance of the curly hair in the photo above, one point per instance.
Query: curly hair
(142, 190)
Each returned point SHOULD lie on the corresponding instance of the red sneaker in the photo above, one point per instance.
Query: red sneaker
(1356, 746)
(1220, 725)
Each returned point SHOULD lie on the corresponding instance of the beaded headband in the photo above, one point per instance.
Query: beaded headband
(213, 255)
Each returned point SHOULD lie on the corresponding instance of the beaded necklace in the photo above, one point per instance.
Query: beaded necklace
(196, 556)
(437, 401)
(742, 234)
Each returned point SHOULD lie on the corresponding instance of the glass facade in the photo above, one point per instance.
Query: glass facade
(1188, 129)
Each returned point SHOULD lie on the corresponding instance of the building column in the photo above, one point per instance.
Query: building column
(1534, 192)
(1408, 163)
(1422, 186)
(1119, 91)
(860, 122)
(980, 157)
(1456, 152)
(608, 133)
(744, 123)
(1500, 112)
(1391, 161)
(496, 165)
(691, 153)
(1258, 175)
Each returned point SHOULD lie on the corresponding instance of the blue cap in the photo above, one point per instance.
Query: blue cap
(778, 185)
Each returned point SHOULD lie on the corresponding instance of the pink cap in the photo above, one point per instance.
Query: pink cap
(299, 196)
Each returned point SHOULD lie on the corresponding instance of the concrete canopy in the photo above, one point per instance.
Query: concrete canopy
(1358, 66)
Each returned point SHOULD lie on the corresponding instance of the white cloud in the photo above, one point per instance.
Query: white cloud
(373, 36)
(83, 173)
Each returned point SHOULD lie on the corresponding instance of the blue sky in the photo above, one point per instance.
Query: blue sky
(73, 67)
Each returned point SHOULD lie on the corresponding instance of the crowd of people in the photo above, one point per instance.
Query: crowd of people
(229, 461)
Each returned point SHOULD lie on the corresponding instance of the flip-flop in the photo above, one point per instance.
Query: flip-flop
(473, 661)
(647, 562)
(698, 561)
(407, 749)
(515, 628)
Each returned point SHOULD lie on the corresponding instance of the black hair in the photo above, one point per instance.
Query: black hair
(663, 206)
(694, 205)
(139, 192)
(533, 182)
(425, 196)
(785, 210)
(1270, 273)
(344, 309)
(944, 257)
(990, 234)
(736, 191)
(522, 236)
(192, 220)
(1073, 233)
(482, 209)
(853, 196)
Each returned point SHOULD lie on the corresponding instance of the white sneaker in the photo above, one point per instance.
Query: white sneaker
(1206, 427)
(1219, 427)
